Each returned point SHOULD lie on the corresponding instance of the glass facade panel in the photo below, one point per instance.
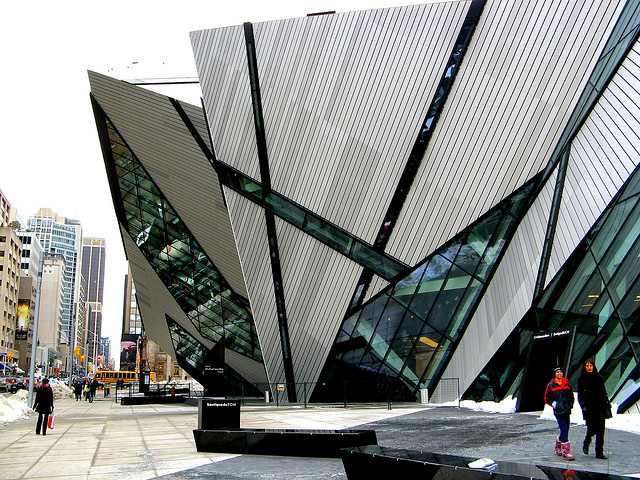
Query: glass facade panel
(408, 331)
(178, 260)
(328, 234)
(430, 286)
(597, 292)
(405, 289)
(370, 317)
(187, 347)
(614, 221)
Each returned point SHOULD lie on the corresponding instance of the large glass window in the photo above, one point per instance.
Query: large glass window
(407, 332)
(596, 291)
(177, 258)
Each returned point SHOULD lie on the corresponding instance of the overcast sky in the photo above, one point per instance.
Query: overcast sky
(50, 153)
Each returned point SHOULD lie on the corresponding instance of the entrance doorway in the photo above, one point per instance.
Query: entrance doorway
(546, 352)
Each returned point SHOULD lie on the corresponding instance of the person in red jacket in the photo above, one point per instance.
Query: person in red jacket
(559, 396)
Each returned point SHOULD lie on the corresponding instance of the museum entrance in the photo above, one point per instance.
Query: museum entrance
(546, 352)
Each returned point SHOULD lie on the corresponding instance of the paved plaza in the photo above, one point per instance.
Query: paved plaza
(105, 440)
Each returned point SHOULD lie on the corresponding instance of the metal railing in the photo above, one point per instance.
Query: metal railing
(342, 394)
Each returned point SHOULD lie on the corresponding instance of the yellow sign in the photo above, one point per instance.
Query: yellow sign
(280, 387)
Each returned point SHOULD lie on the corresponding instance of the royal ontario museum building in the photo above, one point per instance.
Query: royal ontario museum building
(438, 199)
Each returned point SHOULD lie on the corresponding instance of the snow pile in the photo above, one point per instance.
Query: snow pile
(14, 407)
(508, 405)
(60, 390)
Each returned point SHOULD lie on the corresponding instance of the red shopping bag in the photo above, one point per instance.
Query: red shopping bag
(51, 421)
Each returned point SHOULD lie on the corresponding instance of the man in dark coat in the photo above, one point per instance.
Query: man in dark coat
(594, 401)
(93, 387)
(43, 404)
(560, 397)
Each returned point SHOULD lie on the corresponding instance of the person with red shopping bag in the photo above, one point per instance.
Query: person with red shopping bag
(43, 404)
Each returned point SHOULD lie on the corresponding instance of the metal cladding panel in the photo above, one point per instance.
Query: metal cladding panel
(524, 70)
(154, 131)
(344, 96)
(221, 61)
(249, 369)
(250, 227)
(377, 285)
(318, 283)
(604, 153)
(508, 296)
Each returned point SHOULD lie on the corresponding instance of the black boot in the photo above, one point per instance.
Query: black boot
(585, 445)
(601, 456)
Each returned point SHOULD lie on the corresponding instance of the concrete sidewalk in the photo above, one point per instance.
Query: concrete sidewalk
(104, 440)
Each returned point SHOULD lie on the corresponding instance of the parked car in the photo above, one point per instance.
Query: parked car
(14, 384)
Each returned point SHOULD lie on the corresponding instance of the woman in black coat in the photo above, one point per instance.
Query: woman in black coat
(43, 404)
(594, 401)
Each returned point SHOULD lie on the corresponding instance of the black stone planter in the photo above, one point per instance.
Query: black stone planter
(296, 443)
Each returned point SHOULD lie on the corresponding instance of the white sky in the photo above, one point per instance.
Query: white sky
(50, 153)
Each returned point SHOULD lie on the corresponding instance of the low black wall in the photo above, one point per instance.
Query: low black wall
(152, 400)
(295, 443)
(381, 463)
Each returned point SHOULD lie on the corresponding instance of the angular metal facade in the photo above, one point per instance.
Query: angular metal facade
(300, 185)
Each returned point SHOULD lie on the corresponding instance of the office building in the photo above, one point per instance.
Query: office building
(93, 265)
(61, 235)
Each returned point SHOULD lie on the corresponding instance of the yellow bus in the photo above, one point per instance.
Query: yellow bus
(111, 376)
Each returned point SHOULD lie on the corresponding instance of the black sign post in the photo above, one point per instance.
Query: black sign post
(145, 382)
(215, 413)
(214, 371)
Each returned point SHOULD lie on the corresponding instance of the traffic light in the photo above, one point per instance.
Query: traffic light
(77, 352)
(9, 356)
(82, 357)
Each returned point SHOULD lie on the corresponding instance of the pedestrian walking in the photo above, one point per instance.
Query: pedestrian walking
(560, 397)
(596, 408)
(77, 390)
(43, 404)
(86, 389)
(93, 386)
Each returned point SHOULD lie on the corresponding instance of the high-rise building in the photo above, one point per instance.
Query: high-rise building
(5, 210)
(61, 235)
(10, 253)
(376, 203)
(32, 254)
(93, 264)
(105, 353)
(51, 308)
(131, 321)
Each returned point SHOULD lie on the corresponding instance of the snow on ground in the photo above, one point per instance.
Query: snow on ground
(629, 422)
(625, 421)
(14, 407)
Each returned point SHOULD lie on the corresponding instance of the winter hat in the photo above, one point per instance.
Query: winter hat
(45, 381)
(559, 368)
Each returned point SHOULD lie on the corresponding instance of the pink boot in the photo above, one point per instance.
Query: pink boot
(566, 451)
(558, 447)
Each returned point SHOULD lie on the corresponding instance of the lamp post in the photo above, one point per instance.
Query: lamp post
(34, 340)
